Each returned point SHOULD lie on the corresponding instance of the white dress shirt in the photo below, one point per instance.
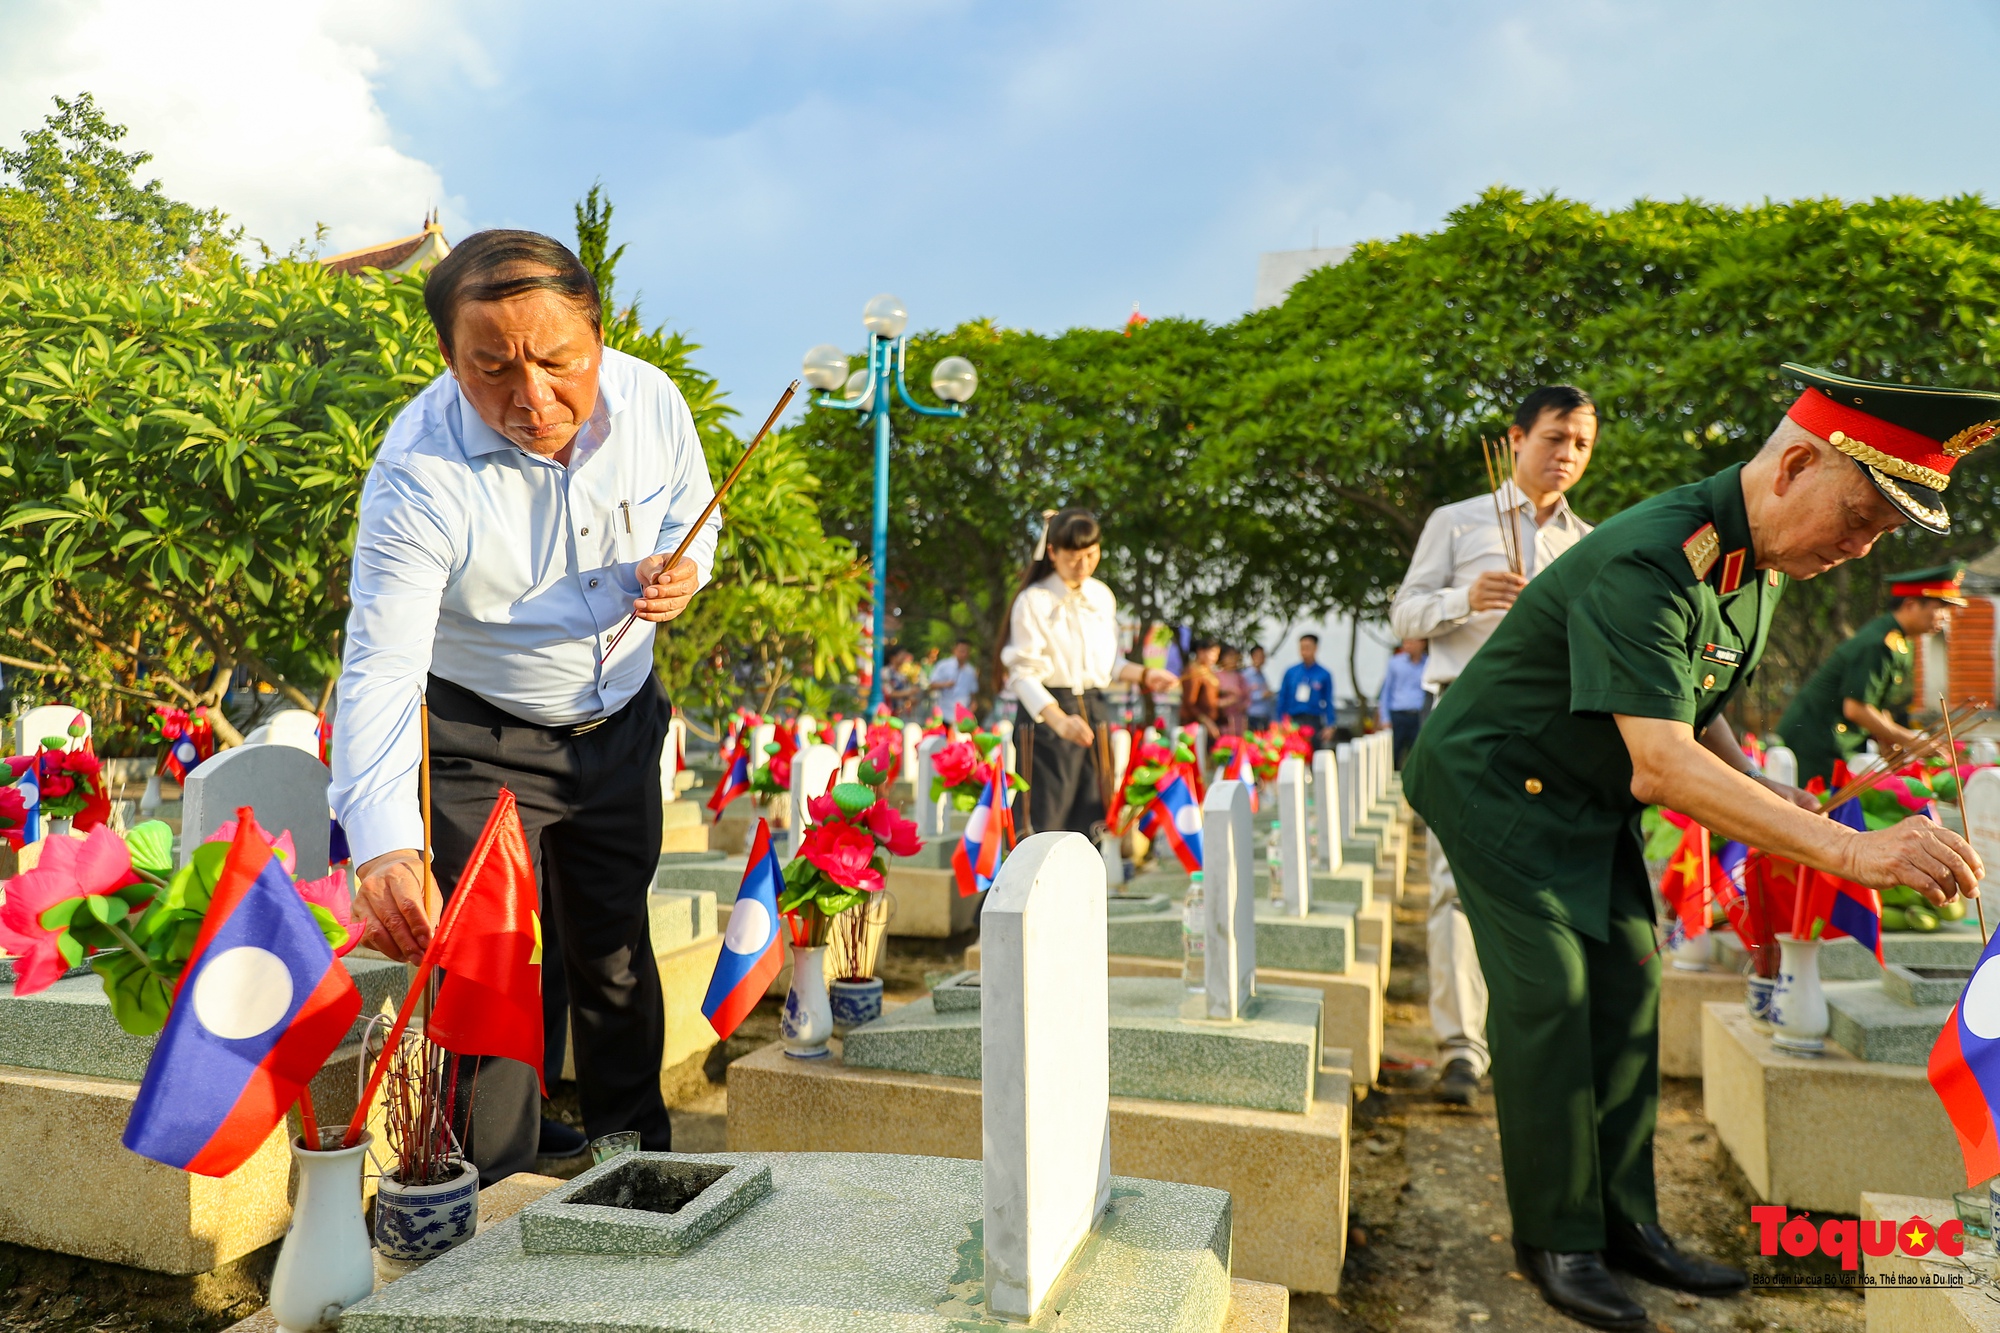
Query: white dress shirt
(1460, 542)
(1060, 637)
(506, 573)
(954, 683)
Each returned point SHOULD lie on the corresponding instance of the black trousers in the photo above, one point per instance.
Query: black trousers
(1062, 776)
(590, 804)
(1404, 723)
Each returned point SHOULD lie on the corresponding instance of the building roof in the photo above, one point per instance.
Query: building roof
(406, 254)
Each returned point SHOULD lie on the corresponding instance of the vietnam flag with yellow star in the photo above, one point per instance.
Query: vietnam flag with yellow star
(489, 947)
(1688, 882)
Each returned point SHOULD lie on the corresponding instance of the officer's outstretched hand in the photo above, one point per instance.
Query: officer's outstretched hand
(1920, 853)
(394, 906)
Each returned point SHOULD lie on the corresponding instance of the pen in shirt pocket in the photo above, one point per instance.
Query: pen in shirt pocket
(625, 507)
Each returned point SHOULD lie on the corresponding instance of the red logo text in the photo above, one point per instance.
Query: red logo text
(1847, 1241)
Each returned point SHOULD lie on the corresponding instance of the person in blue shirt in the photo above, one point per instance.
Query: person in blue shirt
(1403, 697)
(1306, 693)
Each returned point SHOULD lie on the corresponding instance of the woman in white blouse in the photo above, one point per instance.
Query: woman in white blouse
(1060, 650)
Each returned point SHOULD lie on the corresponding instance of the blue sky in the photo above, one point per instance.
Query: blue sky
(1045, 165)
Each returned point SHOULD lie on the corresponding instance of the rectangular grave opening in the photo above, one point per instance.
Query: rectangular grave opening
(651, 1187)
(1943, 973)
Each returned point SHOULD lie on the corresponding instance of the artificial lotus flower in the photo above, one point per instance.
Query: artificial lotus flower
(96, 865)
(13, 816)
(287, 854)
(896, 834)
(330, 892)
(823, 808)
(844, 854)
(956, 764)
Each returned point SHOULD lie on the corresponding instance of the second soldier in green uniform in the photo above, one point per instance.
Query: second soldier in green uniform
(1863, 690)
(1600, 693)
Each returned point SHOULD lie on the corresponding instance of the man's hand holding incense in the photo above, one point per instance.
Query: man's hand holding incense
(1495, 590)
(1919, 853)
(394, 907)
(664, 593)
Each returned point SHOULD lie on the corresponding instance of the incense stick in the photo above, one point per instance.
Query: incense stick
(1958, 784)
(713, 500)
(1497, 475)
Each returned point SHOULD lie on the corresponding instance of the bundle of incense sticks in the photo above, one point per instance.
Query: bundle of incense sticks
(1925, 744)
(1499, 471)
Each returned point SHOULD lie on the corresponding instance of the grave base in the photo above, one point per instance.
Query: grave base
(1350, 1018)
(682, 828)
(1815, 1132)
(1682, 994)
(926, 904)
(1286, 1174)
(76, 1189)
(1927, 1304)
(875, 1241)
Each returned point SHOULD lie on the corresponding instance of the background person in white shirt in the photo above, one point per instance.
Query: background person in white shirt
(518, 510)
(955, 680)
(1060, 649)
(1457, 589)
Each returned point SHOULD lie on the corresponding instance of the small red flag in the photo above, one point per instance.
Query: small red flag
(489, 948)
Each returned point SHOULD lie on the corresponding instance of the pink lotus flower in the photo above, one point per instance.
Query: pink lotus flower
(331, 893)
(70, 867)
(956, 763)
(893, 831)
(845, 854)
(823, 808)
(288, 855)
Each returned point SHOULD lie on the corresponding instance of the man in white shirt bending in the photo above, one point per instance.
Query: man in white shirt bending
(1459, 585)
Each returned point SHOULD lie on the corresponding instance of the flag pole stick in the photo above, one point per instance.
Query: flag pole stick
(432, 909)
(308, 1123)
(695, 528)
(1958, 782)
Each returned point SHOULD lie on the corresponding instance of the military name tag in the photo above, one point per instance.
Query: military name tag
(1715, 652)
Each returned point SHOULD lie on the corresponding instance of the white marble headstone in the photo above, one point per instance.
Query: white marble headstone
(1044, 1017)
(1349, 787)
(811, 769)
(670, 760)
(1982, 751)
(1781, 765)
(841, 731)
(1121, 752)
(806, 729)
(906, 772)
(1326, 811)
(1229, 894)
(761, 735)
(48, 722)
(1292, 830)
(284, 786)
(1112, 847)
(1982, 818)
(930, 814)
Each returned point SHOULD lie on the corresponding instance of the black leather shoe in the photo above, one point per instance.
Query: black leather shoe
(560, 1140)
(1458, 1085)
(1578, 1284)
(1645, 1251)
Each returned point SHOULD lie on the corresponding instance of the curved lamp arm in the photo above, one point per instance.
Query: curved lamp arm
(903, 391)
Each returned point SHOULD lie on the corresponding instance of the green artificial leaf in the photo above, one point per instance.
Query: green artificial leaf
(72, 952)
(107, 909)
(986, 743)
(834, 901)
(140, 998)
(152, 845)
(329, 925)
(853, 798)
(57, 916)
(871, 775)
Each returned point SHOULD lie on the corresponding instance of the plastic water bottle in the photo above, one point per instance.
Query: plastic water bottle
(1194, 937)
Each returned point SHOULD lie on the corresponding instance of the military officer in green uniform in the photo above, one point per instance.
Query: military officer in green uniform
(1601, 693)
(1863, 689)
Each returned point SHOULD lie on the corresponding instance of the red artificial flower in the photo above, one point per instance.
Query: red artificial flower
(845, 854)
(956, 763)
(13, 815)
(893, 831)
(69, 868)
(331, 893)
(823, 808)
(781, 769)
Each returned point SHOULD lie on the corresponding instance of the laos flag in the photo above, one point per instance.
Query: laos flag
(988, 830)
(260, 1006)
(1965, 1067)
(736, 781)
(1836, 906)
(753, 948)
(1175, 817)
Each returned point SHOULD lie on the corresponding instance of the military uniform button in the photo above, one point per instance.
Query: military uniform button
(1534, 786)
(1840, 727)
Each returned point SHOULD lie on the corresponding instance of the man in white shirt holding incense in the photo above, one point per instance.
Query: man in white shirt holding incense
(1472, 561)
(519, 509)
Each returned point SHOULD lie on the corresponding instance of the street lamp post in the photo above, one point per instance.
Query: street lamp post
(867, 391)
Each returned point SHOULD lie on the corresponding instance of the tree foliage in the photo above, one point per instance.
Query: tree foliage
(76, 208)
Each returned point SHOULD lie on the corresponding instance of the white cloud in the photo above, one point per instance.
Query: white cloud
(265, 110)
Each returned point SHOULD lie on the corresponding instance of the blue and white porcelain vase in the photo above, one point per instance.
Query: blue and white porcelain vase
(1798, 1005)
(414, 1223)
(808, 1018)
(855, 1002)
